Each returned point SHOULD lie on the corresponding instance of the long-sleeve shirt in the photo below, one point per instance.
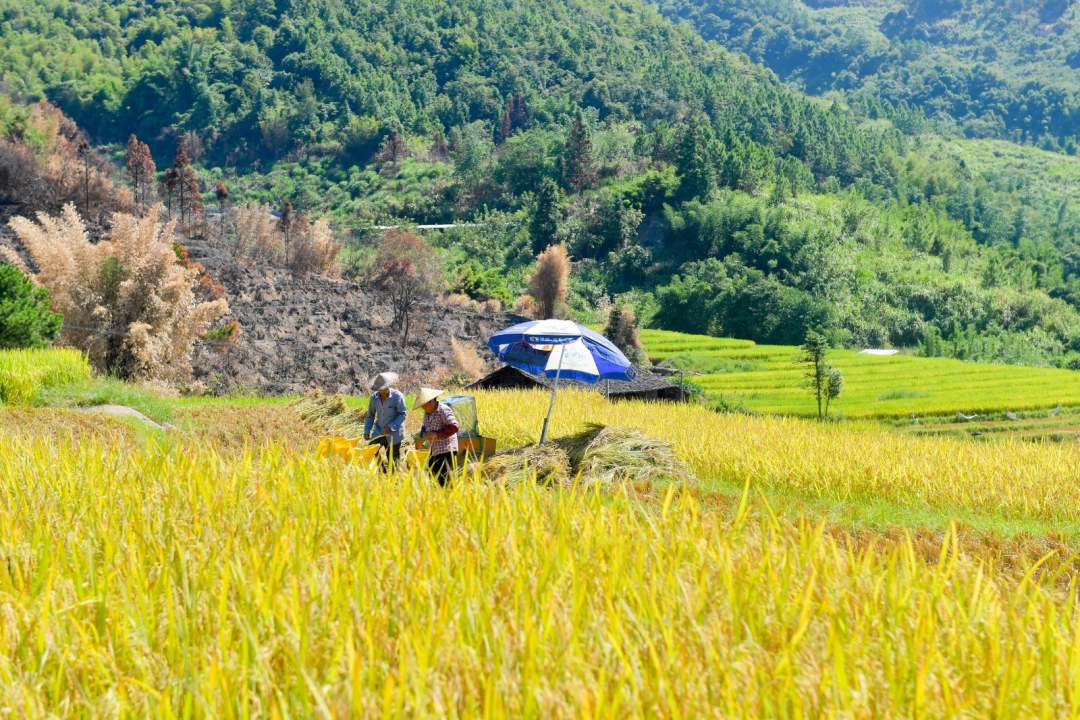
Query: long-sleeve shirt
(444, 424)
(386, 417)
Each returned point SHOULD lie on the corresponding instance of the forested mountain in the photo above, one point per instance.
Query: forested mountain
(1005, 69)
(683, 179)
(262, 80)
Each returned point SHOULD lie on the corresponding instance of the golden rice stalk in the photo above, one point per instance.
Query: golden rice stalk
(328, 415)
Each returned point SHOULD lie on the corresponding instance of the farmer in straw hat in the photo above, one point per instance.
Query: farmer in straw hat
(440, 430)
(386, 417)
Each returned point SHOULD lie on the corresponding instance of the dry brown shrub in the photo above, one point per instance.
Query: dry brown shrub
(63, 170)
(466, 359)
(410, 272)
(127, 301)
(209, 285)
(493, 305)
(548, 284)
(441, 376)
(461, 300)
(257, 234)
(18, 171)
(622, 329)
(309, 247)
(313, 248)
(525, 305)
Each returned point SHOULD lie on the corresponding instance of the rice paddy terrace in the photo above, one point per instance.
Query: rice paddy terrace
(768, 379)
(223, 568)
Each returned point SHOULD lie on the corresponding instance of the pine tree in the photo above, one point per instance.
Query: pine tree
(185, 181)
(506, 121)
(695, 166)
(519, 113)
(544, 220)
(221, 192)
(285, 224)
(193, 191)
(141, 168)
(180, 165)
(168, 184)
(514, 116)
(439, 149)
(26, 320)
(84, 156)
(577, 159)
(1019, 227)
(394, 148)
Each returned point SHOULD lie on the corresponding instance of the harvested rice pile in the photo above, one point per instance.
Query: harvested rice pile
(597, 455)
(548, 465)
(328, 415)
(615, 455)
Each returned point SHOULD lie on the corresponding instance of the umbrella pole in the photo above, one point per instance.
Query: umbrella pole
(554, 388)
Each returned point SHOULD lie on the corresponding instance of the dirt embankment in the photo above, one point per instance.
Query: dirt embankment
(302, 333)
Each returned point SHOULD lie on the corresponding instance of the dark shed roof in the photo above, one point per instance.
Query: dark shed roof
(645, 385)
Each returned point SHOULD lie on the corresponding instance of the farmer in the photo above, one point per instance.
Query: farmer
(386, 418)
(440, 430)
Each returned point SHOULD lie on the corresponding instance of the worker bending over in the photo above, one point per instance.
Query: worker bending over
(440, 430)
(386, 418)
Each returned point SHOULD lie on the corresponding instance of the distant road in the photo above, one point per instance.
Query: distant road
(448, 226)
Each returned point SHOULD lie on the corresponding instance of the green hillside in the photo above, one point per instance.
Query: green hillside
(263, 81)
(678, 175)
(992, 69)
(768, 378)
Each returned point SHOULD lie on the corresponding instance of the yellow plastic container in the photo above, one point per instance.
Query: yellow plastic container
(367, 455)
(417, 459)
(347, 449)
(332, 446)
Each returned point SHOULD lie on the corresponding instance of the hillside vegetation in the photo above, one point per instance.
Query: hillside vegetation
(678, 175)
(991, 69)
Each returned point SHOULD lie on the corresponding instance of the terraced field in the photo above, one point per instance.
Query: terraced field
(767, 378)
(220, 568)
(1057, 425)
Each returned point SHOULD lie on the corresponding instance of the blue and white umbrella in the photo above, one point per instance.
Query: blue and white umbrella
(560, 349)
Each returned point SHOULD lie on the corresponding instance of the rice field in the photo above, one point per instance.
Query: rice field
(767, 378)
(206, 578)
(226, 571)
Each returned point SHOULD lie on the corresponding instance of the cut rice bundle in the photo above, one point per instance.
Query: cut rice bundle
(597, 455)
(547, 465)
(617, 455)
(328, 415)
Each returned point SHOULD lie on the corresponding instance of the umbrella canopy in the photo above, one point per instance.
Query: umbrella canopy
(557, 349)
(560, 348)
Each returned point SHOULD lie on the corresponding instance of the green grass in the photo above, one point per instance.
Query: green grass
(24, 373)
(203, 401)
(874, 387)
(106, 391)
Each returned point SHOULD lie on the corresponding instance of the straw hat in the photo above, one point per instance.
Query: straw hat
(384, 380)
(425, 396)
